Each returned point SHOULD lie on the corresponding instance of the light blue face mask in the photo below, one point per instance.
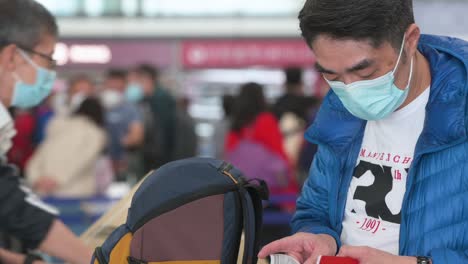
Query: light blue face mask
(373, 99)
(29, 95)
(134, 92)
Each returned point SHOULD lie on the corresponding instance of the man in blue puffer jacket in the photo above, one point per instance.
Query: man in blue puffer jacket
(389, 183)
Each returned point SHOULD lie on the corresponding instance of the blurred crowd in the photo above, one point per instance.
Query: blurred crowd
(79, 141)
(126, 123)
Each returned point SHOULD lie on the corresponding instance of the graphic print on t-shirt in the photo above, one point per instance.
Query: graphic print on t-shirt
(386, 178)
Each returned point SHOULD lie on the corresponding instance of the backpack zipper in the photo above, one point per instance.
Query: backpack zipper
(225, 168)
(230, 176)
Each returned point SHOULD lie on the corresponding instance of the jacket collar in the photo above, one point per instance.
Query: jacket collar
(446, 112)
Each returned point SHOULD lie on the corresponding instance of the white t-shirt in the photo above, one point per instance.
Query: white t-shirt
(373, 207)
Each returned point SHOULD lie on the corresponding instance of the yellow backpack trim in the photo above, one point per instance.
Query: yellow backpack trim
(121, 250)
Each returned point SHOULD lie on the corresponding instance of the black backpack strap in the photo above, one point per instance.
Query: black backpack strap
(261, 188)
(258, 211)
(251, 195)
(248, 213)
(257, 193)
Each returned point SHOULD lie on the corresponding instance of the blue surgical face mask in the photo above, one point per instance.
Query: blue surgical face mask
(134, 92)
(373, 99)
(29, 95)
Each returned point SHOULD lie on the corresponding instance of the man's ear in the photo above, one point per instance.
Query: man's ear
(8, 57)
(413, 33)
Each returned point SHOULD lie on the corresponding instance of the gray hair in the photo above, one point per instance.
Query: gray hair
(24, 23)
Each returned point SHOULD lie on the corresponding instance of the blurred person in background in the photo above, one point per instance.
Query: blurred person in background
(124, 125)
(161, 141)
(293, 112)
(64, 165)
(254, 142)
(223, 126)
(151, 150)
(28, 33)
(293, 100)
(80, 87)
(186, 140)
(61, 103)
(387, 184)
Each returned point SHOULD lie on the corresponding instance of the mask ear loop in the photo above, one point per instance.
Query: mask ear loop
(410, 75)
(401, 53)
(398, 62)
(28, 59)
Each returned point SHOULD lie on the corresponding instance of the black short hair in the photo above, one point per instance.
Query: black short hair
(377, 21)
(293, 75)
(24, 23)
(117, 74)
(148, 70)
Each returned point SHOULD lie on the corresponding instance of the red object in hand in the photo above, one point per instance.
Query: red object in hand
(336, 260)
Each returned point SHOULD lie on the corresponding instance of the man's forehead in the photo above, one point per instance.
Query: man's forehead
(340, 54)
(327, 46)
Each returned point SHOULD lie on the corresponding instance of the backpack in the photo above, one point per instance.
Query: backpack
(192, 210)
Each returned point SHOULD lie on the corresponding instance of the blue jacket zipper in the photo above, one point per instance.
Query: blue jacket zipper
(345, 182)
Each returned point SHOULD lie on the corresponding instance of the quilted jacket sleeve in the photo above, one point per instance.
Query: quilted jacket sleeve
(441, 256)
(312, 213)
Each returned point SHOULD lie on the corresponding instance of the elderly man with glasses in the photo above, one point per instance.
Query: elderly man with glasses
(28, 34)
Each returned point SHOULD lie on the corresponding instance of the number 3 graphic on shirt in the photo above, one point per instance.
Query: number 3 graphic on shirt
(374, 195)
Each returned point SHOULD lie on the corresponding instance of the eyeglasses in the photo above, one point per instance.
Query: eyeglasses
(52, 62)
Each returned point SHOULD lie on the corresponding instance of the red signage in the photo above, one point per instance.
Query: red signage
(114, 53)
(240, 53)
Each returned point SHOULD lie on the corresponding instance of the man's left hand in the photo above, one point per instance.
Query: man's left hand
(368, 255)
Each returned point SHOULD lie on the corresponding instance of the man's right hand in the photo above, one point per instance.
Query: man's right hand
(304, 247)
